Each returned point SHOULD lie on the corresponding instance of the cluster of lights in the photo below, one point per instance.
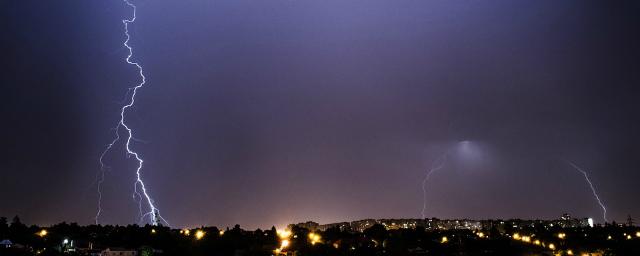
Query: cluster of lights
(199, 234)
(314, 238)
(528, 239)
(562, 235)
(551, 246)
(284, 240)
(283, 234)
(480, 234)
(626, 236)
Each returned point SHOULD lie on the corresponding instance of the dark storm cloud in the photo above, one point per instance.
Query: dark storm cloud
(268, 112)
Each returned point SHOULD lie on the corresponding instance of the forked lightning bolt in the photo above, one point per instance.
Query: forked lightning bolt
(140, 190)
(593, 189)
(436, 165)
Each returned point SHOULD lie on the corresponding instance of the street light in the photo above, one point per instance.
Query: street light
(283, 234)
(199, 234)
(516, 236)
(284, 244)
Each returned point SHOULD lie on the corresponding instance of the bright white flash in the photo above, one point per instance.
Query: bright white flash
(593, 190)
(140, 190)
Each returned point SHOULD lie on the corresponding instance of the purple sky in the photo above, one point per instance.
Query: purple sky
(272, 112)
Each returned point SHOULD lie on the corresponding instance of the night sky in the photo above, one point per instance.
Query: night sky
(278, 111)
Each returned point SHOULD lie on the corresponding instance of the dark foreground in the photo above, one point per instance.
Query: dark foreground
(72, 239)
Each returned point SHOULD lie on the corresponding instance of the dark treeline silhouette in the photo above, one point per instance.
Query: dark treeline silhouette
(73, 239)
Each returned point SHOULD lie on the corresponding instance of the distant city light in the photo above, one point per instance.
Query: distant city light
(284, 243)
(153, 231)
(199, 234)
(444, 239)
(314, 238)
(562, 235)
(552, 246)
(590, 221)
(43, 233)
(221, 232)
(283, 234)
(638, 234)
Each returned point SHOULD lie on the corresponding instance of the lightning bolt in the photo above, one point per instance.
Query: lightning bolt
(100, 180)
(593, 190)
(140, 189)
(103, 169)
(436, 165)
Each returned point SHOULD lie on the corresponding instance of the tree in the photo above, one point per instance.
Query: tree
(377, 232)
(18, 230)
(16, 221)
(4, 227)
